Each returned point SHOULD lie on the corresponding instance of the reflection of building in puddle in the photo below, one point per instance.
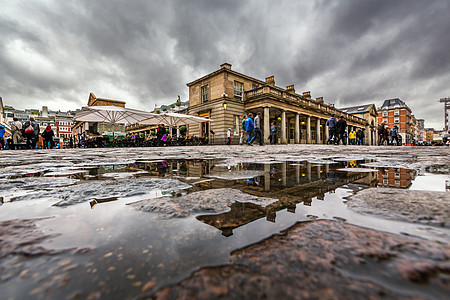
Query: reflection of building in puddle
(95, 201)
(290, 184)
(396, 177)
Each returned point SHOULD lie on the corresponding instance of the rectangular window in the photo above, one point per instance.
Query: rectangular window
(254, 86)
(385, 121)
(385, 114)
(396, 113)
(396, 120)
(397, 175)
(205, 93)
(238, 90)
(236, 125)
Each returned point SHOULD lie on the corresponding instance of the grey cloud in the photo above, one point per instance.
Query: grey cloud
(146, 51)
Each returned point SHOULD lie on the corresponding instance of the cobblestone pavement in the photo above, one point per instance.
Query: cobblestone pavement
(156, 247)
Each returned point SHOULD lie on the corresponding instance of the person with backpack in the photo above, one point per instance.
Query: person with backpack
(331, 123)
(249, 127)
(31, 132)
(394, 135)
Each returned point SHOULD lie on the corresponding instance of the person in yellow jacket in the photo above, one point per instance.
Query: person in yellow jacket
(352, 137)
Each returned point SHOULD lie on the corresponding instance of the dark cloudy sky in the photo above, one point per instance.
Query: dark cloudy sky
(352, 52)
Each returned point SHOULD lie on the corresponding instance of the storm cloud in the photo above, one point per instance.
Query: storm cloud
(350, 52)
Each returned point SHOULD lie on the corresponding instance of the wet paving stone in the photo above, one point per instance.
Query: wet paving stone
(324, 260)
(424, 207)
(154, 222)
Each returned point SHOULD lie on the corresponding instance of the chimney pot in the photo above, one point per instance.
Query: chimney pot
(290, 89)
(226, 66)
(270, 80)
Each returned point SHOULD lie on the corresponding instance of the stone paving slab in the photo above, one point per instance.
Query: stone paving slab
(425, 207)
(325, 260)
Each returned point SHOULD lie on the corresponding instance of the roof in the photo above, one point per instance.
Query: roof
(223, 69)
(393, 102)
(357, 109)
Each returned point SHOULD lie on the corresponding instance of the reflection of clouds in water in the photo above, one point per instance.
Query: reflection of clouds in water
(78, 193)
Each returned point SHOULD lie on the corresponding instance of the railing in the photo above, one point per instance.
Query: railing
(263, 90)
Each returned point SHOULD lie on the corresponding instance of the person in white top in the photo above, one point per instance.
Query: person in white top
(229, 136)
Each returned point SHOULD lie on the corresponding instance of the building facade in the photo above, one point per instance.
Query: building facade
(396, 112)
(225, 95)
(369, 113)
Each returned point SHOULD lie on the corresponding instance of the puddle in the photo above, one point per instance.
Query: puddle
(172, 226)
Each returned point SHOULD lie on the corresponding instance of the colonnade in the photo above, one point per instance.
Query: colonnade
(321, 130)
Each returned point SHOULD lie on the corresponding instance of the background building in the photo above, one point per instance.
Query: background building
(369, 113)
(396, 112)
(225, 95)
(97, 128)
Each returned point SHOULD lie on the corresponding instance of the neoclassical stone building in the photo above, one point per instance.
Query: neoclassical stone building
(225, 95)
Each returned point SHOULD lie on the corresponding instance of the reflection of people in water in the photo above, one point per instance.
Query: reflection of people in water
(331, 176)
(249, 181)
(161, 167)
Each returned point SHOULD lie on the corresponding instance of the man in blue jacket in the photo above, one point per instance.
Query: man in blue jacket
(331, 123)
(249, 127)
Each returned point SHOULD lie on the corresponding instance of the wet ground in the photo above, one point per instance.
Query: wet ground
(176, 222)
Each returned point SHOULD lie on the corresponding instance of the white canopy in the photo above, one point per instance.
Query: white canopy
(173, 119)
(111, 114)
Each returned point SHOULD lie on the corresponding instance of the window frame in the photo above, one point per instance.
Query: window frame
(236, 92)
(204, 96)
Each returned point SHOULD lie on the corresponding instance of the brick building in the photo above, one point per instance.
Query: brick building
(396, 112)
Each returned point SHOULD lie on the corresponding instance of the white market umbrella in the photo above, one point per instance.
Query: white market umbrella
(112, 114)
(173, 119)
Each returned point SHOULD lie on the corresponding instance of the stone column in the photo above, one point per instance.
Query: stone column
(267, 177)
(308, 129)
(327, 134)
(297, 173)
(318, 171)
(178, 131)
(297, 128)
(368, 136)
(318, 131)
(266, 117)
(283, 127)
(200, 130)
(283, 173)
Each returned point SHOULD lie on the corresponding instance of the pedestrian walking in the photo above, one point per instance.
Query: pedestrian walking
(48, 135)
(258, 133)
(229, 136)
(382, 134)
(2, 137)
(360, 137)
(394, 135)
(241, 139)
(341, 125)
(31, 132)
(352, 137)
(273, 133)
(16, 132)
(249, 128)
(331, 123)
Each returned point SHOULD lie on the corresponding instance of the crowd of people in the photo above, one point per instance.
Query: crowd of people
(26, 136)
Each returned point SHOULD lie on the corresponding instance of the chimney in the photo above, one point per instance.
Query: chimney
(270, 81)
(307, 95)
(44, 111)
(225, 66)
(290, 89)
(319, 100)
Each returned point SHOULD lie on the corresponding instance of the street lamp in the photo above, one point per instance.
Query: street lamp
(225, 105)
